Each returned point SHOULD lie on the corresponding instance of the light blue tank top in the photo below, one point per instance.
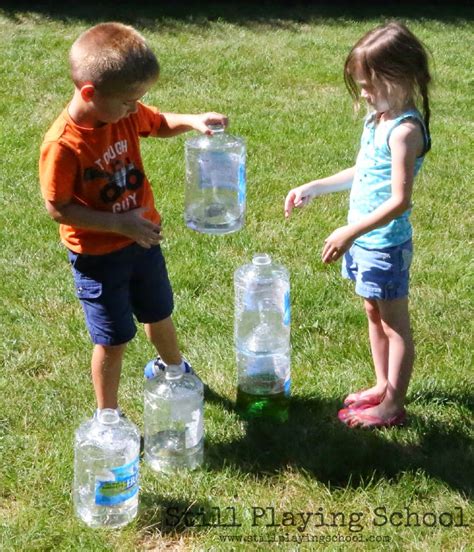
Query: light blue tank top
(372, 181)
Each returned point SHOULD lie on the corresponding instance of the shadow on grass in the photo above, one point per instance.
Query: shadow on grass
(314, 440)
(159, 516)
(278, 13)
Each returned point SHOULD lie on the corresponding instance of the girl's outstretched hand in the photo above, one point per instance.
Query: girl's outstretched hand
(297, 197)
(337, 244)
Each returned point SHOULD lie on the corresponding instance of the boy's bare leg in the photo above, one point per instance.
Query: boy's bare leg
(106, 366)
(163, 336)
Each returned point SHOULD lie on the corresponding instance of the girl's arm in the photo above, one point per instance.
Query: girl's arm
(301, 196)
(173, 124)
(406, 144)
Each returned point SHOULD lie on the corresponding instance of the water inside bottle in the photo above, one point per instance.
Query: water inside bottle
(215, 216)
(166, 452)
(254, 400)
(263, 386)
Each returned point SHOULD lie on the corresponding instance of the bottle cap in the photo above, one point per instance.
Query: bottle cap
(261, 259)
(173, 372)
(108, 416)
(216, 128)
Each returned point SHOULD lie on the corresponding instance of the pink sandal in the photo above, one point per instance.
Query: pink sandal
(355, 417)
(356, 400)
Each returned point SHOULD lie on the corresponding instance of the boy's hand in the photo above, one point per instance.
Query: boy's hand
(202, 121)
(337, 244)
(139, 229)
(297, 197)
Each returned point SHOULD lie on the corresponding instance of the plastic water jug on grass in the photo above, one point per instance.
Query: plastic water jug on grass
(106, 470)
(262, 338)
(215, 182)
(174, 420)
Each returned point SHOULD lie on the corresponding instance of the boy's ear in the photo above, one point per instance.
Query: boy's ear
(87, 91)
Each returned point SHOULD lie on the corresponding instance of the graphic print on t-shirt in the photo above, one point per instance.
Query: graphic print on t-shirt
(120, 181)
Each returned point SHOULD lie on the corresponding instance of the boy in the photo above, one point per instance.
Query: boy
(94, 186)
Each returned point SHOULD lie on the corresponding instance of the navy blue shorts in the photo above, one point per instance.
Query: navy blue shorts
(379, 273)
(114, 287)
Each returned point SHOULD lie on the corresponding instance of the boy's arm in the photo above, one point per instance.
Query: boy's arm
(173, 124)
(406, 144)
(130, 224)
(301, 196)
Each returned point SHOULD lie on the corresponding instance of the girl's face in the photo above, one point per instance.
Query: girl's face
(375, 95)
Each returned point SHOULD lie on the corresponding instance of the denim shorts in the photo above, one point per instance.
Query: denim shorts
(379, 273)
(114, 287)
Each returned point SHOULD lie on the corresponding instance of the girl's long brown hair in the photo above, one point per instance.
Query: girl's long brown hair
(391, 54)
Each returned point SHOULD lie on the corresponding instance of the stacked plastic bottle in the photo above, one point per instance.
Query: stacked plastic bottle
(262, 338)
(215, 182)
(106, 470)
(174, 420)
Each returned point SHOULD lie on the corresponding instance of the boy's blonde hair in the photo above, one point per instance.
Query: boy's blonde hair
(112, 56)
(391, 54)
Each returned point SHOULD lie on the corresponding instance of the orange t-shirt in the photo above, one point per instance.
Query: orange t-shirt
(100, 168)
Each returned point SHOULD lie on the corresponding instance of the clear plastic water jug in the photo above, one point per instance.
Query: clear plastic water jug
(262, 338)
(106, 470)
(174, 420)
(215, 182)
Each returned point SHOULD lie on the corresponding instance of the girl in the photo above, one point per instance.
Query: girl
(388, 67)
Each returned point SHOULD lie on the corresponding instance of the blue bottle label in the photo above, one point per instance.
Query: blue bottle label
(286, 309)
(242, 183)
(116, 485)
(287, 387)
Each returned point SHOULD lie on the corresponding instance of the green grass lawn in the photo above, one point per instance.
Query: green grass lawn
(279, 78)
